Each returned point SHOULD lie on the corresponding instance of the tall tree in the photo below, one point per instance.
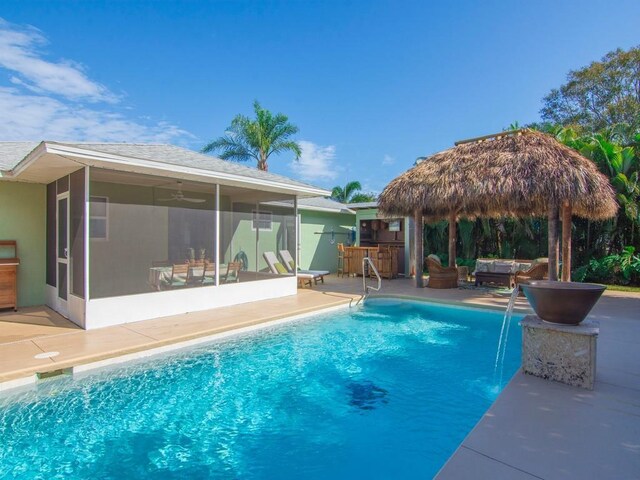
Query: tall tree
(599, 95)
(256, 139)
(351, 193)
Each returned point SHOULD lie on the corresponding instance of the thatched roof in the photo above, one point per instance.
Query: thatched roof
(517, 174)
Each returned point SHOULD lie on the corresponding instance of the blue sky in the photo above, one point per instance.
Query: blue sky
(372, 85)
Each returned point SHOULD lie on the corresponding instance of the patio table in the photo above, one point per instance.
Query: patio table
(159, 276)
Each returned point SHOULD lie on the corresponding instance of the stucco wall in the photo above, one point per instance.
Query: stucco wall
(238, 235)
(316, 250)
(23, 218)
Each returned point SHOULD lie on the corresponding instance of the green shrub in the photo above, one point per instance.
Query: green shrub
(617, 269)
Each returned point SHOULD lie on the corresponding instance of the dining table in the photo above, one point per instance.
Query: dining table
(161, 276)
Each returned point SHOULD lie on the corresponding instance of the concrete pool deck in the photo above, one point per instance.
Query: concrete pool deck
(542, 429)
(535, 429)
(30, 332)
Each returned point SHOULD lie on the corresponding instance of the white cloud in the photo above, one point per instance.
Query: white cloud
(33, 117)
(316, 162)
(58, 101)
(388, 160)
(19, 53)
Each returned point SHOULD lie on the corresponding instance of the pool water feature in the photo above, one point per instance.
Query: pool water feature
(386, 390)
(498, 370)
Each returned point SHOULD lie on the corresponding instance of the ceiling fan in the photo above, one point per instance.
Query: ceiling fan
(179, 197)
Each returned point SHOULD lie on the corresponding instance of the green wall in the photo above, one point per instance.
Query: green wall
(316, 251)
(238, 235)
(23, 218)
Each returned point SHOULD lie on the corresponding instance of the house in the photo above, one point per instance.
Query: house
(104, 230)
(323, 224)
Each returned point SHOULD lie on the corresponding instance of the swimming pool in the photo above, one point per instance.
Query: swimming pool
(384, 391)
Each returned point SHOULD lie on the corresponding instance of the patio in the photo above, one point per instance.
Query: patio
(535, 429)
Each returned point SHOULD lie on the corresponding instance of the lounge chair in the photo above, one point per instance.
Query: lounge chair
(439, 276)
(290, 265)
(278, 268)
(539, 270)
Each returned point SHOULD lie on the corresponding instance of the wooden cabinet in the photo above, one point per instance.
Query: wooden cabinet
(9, 276)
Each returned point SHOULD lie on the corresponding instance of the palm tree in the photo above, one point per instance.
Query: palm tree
(351, 193)
(258, 139)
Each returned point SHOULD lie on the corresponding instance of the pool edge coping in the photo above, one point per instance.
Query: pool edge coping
(31, 380)
(82, 367)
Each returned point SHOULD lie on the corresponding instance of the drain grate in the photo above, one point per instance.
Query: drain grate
(366, 395)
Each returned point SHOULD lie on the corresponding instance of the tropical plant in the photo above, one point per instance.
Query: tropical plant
(351, 193)
(256, 139)
(621, 268)
(621, 164)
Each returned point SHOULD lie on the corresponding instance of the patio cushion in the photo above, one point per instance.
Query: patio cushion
(504, 267)
(523, 266)
(483, 265)
(281, 268)
(435, 258)
(539, 260)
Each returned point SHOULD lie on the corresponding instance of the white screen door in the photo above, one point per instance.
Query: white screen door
(62, 253)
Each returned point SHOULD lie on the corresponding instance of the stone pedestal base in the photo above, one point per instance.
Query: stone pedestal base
(564, 353)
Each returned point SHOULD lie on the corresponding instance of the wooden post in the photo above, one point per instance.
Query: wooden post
(419, 247)
(452, 239)
(553, 241)
(566, 241)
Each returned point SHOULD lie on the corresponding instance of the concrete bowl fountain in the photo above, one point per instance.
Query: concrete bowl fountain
(566, 303)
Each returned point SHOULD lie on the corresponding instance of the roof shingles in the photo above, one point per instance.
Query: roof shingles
(12, 153)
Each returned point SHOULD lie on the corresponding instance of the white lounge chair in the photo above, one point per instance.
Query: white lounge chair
(278, 268)
(290, 264)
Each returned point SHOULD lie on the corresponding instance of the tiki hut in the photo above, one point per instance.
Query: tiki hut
(519, 174)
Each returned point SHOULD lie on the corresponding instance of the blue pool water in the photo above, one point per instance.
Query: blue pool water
(384, 391)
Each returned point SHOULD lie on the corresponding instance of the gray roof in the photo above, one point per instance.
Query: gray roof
(317, 203)
(362, 205)
(12, 153)
(322, 202)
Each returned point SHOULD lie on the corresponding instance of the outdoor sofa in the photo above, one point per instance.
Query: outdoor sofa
(509, 272)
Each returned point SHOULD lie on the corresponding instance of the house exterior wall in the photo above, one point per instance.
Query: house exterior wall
(316, 250)
(23, 218)
(104, 312)
(240, 236)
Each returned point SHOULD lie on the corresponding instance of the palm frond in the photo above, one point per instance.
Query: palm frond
(256, 138)
(286, 146)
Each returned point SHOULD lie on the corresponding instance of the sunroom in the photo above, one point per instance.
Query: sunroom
(135, 232)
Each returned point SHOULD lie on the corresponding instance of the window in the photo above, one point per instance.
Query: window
(394, 226)
(99, 218)
(261, 220)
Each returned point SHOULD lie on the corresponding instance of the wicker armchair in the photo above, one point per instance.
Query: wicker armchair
(439, 276)
(539, 270)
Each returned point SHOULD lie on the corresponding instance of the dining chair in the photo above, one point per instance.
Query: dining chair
(233, 272)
